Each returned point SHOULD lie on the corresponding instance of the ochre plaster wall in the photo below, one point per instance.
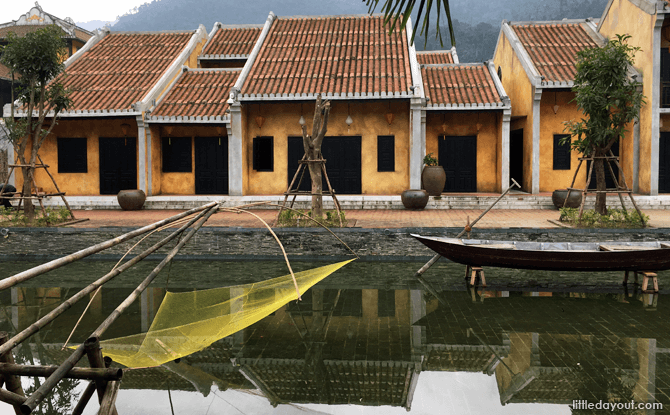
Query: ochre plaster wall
(178, 183)
(465, 124)
(520, 91)
(74, 184)
(553, 123)
(518, 359)
(625, 18)
(281, 121)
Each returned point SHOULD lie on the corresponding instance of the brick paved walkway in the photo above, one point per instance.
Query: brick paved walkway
(497, 218)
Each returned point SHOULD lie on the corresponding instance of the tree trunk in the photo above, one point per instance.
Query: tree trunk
(317, 188)
(312, 145)
(28, 208)
(601, 184)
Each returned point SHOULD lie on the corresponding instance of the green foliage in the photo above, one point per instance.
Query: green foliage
(606, 94)
(615, 218)
(429, 160)
(291, 218)
(400, 10)
(10, 217)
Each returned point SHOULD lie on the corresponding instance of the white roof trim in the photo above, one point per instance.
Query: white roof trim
(328, 95)
(417, 80)
(461, 107)
(252, 58)
(454, 55)
(174, 68)
(204, 119)
(499, 86)
(222, 57)
(87, 46)
(83, 113)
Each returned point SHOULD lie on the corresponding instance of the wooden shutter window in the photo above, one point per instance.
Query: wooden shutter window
(263, 157)
(561, 152)
(385, 153)
(176, 154)
(72, 155)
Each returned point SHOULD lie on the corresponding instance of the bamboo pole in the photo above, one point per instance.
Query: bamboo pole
(49, 317)
(12, 383)
(62, 195)
(88, 392)
(94, 354)
(46, 371)
(109, 398)
(51, 265)
(38, 396)
(468, 228)
(12, 398)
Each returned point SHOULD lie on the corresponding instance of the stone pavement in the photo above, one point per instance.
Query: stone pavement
(382, 218)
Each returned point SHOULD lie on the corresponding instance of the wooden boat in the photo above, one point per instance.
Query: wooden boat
(555, 256)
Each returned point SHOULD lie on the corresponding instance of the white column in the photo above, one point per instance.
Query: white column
(142, 154)
(504, 174)
(655, 105)
(235, 151)
(149, 190)
(417, 143)
(535, 155)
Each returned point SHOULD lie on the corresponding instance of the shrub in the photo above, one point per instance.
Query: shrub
(290, 218)
(615, 218)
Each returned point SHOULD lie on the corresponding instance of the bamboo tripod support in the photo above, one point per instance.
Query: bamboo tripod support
(34, 194)
(295, 191)
(619, 188)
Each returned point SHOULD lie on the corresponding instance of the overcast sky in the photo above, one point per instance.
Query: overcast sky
(78, 10)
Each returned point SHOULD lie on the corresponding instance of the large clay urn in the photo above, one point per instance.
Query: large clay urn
(414, 199)
(131, 199)
(433, 179)
(559, 196)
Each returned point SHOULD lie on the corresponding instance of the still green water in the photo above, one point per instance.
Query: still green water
(372, 339)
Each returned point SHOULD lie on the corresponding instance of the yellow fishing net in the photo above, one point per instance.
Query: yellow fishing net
(187, 322)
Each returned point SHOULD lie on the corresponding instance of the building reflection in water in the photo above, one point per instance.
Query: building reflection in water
(369, 346)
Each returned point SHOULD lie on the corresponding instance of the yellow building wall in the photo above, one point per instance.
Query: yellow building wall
(168, 183)
(77, 184)
(520, 91)
(465, 124)
(369, 121)
(625, 18)
(518, 359)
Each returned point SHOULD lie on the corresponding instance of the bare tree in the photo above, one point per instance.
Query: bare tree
(312, 144)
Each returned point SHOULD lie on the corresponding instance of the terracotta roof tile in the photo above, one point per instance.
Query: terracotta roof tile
(232, 41)
(336, 55)
(202, 92)
(455, 84)
(434, 56)
(553, 47)
(120, 69)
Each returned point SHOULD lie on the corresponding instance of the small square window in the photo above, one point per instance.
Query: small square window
(72, 155)
(385, 153)
(176, 154)
(263, 154)
(561, 152)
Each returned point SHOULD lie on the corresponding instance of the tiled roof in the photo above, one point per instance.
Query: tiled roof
(434, 56)
(553, 47)
(233, 41)
(331, 55)
(460, 85)
(199, 92)
(122, 68)
(5, 73)
(22, 30)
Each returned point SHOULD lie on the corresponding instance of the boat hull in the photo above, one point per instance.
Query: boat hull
(476, 253)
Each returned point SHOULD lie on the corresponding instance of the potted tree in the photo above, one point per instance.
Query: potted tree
(433, 176)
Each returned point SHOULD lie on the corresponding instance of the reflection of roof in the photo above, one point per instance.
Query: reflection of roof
(553, 46)
(462, 358)
(197, 93)
(340, 382)
(336, 55)
(460, 85)
(122, 68)
(230, 42)
(434, 56)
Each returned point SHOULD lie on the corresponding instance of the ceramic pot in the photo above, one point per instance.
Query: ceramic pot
(131, 199)
(433, 179)
(414, 199)
(558, 198)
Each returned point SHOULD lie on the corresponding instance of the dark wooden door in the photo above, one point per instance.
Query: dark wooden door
(664, 163)
(343, 163)
(458, 156)
(609, 181)
(118, 164)
(516, 156)
(211, 165)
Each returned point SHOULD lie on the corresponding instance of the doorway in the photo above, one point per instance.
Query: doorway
(211, 165)
(118, 164)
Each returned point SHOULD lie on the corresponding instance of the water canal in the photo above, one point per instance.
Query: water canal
(531, 343)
